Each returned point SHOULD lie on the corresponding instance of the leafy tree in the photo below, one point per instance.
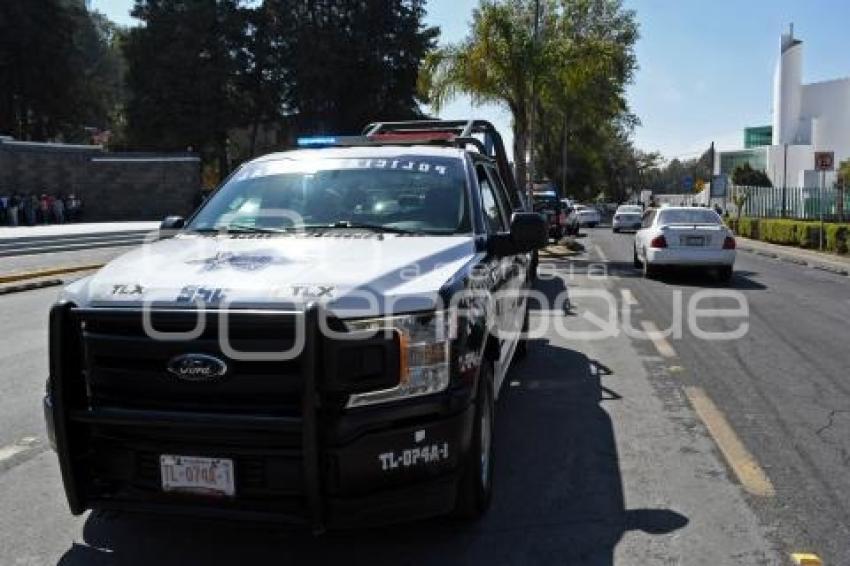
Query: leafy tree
(59, 69)
(355, 62)
(182, 70)
(496, 63)
(578, 68)
(746, 176)
(844, 173)
(586, 125)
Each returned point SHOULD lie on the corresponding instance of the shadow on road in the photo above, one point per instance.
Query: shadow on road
(558, 496)
(741, 280)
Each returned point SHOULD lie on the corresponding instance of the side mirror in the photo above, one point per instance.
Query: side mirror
(170, 226)
(529, 232)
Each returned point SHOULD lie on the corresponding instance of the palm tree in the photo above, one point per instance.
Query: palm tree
(497, 63)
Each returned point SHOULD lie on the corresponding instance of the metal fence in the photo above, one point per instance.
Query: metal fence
(799, 203)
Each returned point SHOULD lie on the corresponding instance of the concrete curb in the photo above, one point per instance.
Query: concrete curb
(32, 285)
(830, 269)
(24, 275)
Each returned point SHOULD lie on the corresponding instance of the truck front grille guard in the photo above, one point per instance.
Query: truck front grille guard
(70, 411)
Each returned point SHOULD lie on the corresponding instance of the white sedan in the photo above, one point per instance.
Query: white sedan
(587, 215)
(627, 217)
(683, 236)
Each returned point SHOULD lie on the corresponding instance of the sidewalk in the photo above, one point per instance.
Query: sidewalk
(58, 230)
(815, 259)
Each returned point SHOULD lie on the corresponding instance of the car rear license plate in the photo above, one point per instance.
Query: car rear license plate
(694, 240)
(193, 474)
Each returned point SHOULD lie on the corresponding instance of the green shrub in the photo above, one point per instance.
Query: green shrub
(778, 231)
(802, 233)
(808, 234)
(837, 236)
(748, 228)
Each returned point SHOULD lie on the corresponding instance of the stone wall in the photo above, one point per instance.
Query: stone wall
(112, 186)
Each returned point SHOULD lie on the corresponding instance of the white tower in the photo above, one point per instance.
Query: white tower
(787, 89)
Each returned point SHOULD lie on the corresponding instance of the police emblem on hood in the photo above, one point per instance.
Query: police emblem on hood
(251, 261)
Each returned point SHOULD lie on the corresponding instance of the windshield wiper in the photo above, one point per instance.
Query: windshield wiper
(239, 229)
(365, 226)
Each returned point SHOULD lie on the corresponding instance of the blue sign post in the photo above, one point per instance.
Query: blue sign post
(688, 183)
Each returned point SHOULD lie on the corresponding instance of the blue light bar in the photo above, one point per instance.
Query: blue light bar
(316, 141)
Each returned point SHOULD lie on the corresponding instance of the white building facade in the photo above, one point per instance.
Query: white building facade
(807, 118)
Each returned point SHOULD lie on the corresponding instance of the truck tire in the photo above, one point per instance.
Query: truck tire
(475, 488)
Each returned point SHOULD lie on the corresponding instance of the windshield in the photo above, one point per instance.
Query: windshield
(689, 216)
(403, 193)
(629, 210)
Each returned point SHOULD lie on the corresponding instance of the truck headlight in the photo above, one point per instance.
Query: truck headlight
(424, 350)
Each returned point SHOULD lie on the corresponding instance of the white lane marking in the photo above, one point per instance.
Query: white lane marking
(600, 253)
(12, 450)
(661, 344)
(742, 462)
(628, 297)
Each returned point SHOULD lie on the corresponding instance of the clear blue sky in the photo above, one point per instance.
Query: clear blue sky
(706, 66)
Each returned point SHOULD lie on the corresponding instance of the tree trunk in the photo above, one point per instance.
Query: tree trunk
(564, 159)
(520, 128)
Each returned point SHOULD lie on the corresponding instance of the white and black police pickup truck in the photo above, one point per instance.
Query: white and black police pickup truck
(321, 342)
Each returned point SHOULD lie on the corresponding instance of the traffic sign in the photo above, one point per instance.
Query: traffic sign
(688, 183)
(824, 160)
(718, 186)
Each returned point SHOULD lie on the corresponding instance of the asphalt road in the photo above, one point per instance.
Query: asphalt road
(601, 457)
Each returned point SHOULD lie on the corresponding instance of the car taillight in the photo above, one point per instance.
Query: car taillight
(658, 242)
(729, 243)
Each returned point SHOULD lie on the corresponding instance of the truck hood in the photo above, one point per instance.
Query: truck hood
(352, 274)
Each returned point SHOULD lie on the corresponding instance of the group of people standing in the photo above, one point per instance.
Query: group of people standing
(29, 209)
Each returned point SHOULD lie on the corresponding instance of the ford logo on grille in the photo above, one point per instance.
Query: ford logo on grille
(197, 367)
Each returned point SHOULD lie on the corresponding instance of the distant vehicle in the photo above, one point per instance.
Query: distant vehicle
(627, 217)
(587, 216)
(548, 204)
(684, 236)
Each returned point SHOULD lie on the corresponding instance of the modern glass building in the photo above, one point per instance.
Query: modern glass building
(730, 160)
(758, 136)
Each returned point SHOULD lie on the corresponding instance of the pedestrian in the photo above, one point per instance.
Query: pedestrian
(59, 209)
(12, 209)
(4, 200)
(28, 210)
(43, 209)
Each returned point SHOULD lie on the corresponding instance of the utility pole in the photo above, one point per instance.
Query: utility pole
(530, 168)
(785, 172)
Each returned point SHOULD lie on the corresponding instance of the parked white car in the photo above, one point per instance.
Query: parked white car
(587, 215)
(627, 217)
(684, 236)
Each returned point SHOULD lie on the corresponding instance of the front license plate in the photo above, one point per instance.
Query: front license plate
(193, 474)
(695, 240)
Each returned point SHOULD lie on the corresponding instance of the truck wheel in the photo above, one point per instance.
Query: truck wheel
(476, 484)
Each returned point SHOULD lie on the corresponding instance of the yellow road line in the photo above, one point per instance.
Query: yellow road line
(806, 559)
(47, 272)
(661, 344)
(749, 473)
